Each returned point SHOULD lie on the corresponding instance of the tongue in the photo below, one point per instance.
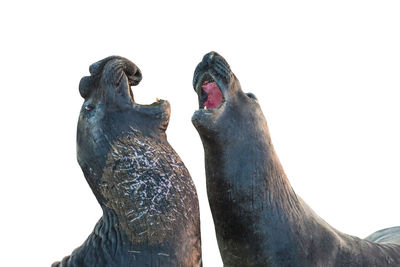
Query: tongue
(214, 95)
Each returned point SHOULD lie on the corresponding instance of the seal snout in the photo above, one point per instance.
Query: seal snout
(211, 78)
(215, 65)
(210, 57)
(110, 71)
(111, 80)
(116, 67)
(213, 59)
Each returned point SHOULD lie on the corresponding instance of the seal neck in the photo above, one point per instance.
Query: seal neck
(248, 167)
(249, 193)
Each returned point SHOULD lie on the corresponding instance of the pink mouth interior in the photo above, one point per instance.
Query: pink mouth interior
(214, 94)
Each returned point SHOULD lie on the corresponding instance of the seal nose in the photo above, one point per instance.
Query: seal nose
(117, 65)
(210, 58)
(212, 54)
(134, 77)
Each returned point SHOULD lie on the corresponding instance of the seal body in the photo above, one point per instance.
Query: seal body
(259, 219)
(149, 202)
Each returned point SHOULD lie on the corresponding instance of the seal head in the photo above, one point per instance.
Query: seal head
(220, 97)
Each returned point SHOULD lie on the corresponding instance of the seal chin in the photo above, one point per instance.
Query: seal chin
(206, 119)
(160, 110)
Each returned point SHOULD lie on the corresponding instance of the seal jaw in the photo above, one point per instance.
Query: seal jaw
(159, 110)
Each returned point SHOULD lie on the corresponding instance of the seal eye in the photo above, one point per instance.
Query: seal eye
(251, 95)
(89, 107)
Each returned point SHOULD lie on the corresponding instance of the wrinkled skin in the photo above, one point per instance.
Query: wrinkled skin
(149, 202)
(259, 219)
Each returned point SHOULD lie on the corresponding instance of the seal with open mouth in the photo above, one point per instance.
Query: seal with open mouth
(149, 202)
(259, 220)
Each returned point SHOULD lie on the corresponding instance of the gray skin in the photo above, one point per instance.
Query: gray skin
(259, 219)
(149, 202)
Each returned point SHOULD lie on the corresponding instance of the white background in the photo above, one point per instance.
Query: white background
(327, 76)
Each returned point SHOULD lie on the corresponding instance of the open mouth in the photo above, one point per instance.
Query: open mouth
(210, 95)
(135, 82)
(159, 109)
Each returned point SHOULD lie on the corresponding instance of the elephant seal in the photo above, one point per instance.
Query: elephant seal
(149, 202)
(259, 219)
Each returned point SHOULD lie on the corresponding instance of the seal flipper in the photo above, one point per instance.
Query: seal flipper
(387, 235)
